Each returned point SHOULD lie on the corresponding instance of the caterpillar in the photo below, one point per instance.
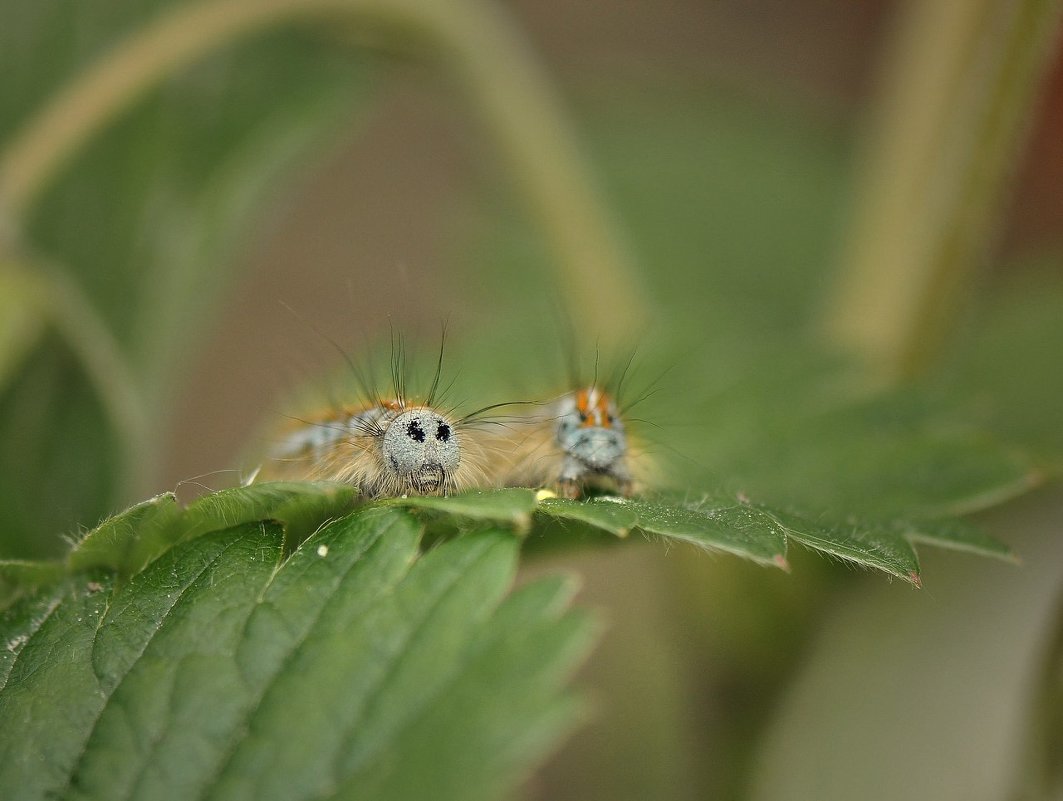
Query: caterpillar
(576, 444)
(592, 438)
(385, 446)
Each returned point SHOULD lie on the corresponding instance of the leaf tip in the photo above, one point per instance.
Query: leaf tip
(781, 562)
(913, 577)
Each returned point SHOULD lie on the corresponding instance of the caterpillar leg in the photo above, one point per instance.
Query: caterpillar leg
(576, 476)
(569, 483)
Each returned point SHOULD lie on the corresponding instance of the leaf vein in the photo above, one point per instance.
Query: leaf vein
(392, 664)
(52, 607)
(296, 647)
(72, 776)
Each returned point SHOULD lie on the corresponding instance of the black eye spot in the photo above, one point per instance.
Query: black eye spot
(443, 432)
(583, 417)
(414, 431)
(611, 419)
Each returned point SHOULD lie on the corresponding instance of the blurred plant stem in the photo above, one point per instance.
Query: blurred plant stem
(1040, 773)
(49, 298)
(476, 43)
(959, 88)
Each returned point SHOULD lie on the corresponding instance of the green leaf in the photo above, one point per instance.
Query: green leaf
(756, 531)
(1009, 366)
(21, 620)
(466, 737)
(145, 222)
(508, 506)
(891, 470)
(355, 666)
(955, 534)
(55, 444)
(877, 546)
(802, 439)
(173, 629)
(22, 573)
(127, 541)
(301, 506)
(51, 697)
(606, 514)
(761, 532)
(729, 526)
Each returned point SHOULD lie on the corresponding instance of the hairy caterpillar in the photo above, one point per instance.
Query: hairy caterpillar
(385, 446)
(576, 444)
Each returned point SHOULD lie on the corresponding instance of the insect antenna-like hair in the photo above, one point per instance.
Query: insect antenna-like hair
(363, 378)
(430, 399)
(651, 389)
(567, 342)
(398, 366)
(618, 384)
(476, 416)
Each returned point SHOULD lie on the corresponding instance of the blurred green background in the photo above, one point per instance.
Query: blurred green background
(340, 168)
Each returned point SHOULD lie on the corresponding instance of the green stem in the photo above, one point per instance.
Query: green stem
(1039, 773)
(478, 45)
(960, 88)
(58, 302)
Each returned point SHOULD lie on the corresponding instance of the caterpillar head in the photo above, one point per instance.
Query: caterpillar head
(422, 448)
(591, 431)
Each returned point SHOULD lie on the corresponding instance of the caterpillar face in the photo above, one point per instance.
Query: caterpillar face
(590, 430)
(422, 448)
